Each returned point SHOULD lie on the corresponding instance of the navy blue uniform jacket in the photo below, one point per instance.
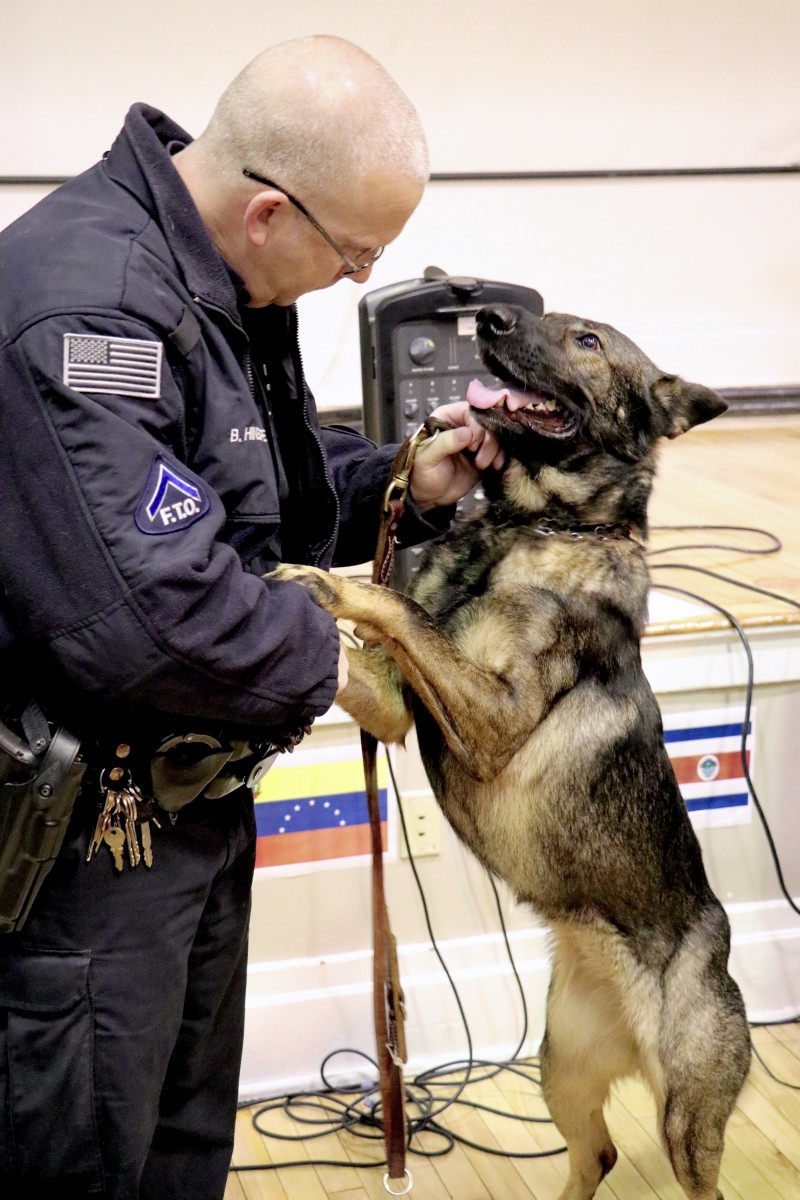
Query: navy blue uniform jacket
(138, 492)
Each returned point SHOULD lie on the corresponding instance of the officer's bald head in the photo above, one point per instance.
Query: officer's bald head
(318, 115)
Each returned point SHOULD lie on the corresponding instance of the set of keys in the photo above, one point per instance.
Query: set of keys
(124, 818)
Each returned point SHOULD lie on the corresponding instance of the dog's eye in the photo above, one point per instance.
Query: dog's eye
(589, 341)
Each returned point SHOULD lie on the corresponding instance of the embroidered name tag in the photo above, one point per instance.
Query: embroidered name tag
(112, 365)
(170, 502)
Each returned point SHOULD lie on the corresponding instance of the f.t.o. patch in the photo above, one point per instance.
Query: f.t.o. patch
(170, 501)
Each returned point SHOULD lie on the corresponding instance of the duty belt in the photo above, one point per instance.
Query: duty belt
(136, 792)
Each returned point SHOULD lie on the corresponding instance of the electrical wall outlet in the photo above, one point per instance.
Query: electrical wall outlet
(423, 824)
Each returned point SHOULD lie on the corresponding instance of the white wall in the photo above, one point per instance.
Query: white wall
(705, 273)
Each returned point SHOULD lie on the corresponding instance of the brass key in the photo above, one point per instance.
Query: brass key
(103, 821)
(147, 844)
(114, 838)
(146, 818)
(129, 812)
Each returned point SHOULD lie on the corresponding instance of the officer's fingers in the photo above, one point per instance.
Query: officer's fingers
(459, 414)
(453, 414)
(483, 443)
(446, 443)
(487, 451)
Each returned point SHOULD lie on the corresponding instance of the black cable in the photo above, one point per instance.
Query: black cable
(745, 723)
(749, 587)
(773, 548)
(743, 753)
(429, 927)
(470, 1062)
(363, 1115)
(783, 1082)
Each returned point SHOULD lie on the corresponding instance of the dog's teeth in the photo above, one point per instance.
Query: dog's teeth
(541, 406)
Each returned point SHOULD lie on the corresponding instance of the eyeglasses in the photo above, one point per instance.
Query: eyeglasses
(353, 265)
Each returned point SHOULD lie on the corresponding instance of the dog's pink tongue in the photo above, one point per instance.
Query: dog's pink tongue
(480, 396)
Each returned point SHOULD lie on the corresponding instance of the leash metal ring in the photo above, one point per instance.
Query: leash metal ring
(404, 1191)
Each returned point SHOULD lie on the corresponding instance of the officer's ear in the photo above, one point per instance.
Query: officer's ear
(263, 208)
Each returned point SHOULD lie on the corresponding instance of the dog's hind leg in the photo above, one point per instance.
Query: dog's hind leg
(705, 1055)
(585, 1048)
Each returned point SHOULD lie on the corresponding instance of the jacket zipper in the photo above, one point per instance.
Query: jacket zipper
(318, 552)
(223, 312)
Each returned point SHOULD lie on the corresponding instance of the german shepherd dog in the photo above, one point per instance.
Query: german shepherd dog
(518, 658)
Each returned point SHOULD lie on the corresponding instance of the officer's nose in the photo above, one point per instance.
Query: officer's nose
(495, 320)
(358, 276)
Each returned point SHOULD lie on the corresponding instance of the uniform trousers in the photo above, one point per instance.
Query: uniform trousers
(122, 1015)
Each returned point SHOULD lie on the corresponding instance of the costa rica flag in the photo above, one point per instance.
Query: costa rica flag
(705, 749)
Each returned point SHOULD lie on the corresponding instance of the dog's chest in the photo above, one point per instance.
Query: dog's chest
(468, 566)
(481, 566)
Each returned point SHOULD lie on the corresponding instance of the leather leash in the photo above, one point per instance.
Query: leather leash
(387, 993)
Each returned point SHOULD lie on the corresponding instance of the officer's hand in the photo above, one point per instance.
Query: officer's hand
(441, 474)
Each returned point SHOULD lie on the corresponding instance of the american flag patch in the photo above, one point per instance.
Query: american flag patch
(112, 366)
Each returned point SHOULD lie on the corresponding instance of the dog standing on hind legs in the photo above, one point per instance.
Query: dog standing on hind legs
(518, 658)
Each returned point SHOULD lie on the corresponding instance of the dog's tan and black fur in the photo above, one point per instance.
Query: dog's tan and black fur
(518, 656)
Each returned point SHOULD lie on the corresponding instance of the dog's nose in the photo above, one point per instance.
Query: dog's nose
(495, 319)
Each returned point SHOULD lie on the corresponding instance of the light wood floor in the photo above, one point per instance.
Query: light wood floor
(734, 471)
(761, 1161)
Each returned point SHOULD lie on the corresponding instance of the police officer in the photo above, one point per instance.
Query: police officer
(161, 452)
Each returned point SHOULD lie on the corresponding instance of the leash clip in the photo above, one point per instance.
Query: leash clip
(394, 1056)
(400, 481)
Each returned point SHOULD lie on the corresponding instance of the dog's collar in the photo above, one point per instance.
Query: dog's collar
(548, 527)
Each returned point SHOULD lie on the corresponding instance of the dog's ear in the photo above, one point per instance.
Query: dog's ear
(685, 404)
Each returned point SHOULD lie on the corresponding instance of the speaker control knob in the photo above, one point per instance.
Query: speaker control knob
(422, 351)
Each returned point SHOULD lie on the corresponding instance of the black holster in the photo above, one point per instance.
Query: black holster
(37, 796)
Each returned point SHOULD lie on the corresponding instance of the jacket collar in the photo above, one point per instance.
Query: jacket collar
(140, 161)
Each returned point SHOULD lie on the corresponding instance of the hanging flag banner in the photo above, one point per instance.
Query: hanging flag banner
(705, 749)
(311, 811)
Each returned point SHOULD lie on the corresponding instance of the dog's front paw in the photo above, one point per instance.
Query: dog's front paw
(290, 571)
(320, 584)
